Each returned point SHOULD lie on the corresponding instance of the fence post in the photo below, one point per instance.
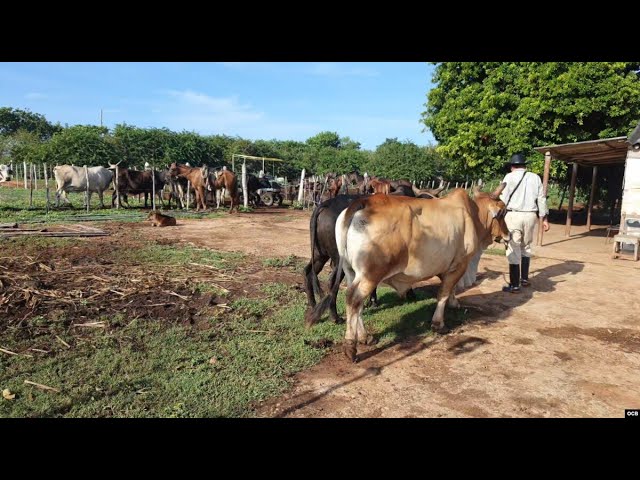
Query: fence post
(117, 184)
(86, 176)
(301, 189)
(245, 193)
(24, 166)
(188, 193)
(31, 168)
(46, 185)
(153, 182)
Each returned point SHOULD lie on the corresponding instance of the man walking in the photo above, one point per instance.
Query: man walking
(525, 201)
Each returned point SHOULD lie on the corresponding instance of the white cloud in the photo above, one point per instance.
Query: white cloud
(35, 96)
(340, 70)
(190, 110)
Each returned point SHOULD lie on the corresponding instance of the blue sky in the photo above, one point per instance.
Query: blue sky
(368, 102)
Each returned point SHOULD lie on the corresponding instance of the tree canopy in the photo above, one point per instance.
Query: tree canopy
(13, 120)
(481, 113)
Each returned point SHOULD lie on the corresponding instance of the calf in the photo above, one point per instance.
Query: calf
(160, 220)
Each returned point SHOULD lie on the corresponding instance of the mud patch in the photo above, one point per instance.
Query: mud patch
(626, 339)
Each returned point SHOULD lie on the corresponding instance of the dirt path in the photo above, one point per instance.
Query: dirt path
(567, 347)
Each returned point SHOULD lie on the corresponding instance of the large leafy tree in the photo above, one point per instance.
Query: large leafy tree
(13, 120)
(481, 113)
(82, 145)
(395, 159)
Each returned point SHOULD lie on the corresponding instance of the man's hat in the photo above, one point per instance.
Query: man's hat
(518, 159)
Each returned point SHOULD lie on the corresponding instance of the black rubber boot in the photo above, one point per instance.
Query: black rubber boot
(514, 279)
(524, 269)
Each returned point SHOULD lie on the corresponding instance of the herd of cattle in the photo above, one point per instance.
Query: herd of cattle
(373, 230)
(183, 181)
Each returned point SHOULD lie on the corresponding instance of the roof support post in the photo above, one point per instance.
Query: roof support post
(591, 196)
(572, 192)
(545, 185)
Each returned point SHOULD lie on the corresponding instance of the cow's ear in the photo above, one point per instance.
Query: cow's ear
(496, 193)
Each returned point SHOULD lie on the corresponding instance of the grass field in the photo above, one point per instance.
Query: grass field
(157, 368)
(14, 207)
(105, 357)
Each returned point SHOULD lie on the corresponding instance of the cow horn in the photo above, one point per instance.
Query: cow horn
(498, 190)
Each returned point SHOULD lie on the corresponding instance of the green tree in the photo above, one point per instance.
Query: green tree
(27, 147)
(135, 146)
(81, 145)
(324, 140)
(481, 113)
(13, 119)
(396, 160)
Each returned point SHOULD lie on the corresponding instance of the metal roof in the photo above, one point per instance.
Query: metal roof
(606, 151)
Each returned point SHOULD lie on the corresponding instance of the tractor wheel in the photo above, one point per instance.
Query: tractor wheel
(267, 199)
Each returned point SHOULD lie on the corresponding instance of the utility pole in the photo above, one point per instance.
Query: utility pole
(101, 117)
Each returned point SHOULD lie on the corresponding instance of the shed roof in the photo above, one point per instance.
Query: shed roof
(605, 151)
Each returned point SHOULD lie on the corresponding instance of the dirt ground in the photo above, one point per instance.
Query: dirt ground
(566, 347)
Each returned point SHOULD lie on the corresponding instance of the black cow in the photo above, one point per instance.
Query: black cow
(135, 182)
(403, 191)
(323, 247)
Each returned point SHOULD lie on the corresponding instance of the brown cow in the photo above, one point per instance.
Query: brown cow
(226, 182)
(401, 240)
(334, 185)
(379, 185)
(197, 177)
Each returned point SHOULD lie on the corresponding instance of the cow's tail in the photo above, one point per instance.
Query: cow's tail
(313, 316)
(317, 290)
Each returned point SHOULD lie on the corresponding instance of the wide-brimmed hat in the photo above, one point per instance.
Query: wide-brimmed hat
(518, 159)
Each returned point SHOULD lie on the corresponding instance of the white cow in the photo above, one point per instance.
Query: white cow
(5, 173)
(73, 179)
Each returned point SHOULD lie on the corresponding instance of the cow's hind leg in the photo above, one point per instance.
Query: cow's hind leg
(309, 284)
(333, 306)
(372, 301)
(446, 294)
(360, 289)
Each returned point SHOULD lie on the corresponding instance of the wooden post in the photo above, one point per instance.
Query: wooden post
(153, 184)
(314, 191)
(188, 193)
(301, 190)
(34, 167)
(46, 185)
(245, 193)
(117, 185)
(24, 166)
(86, 176)
(572, 192)
(31, 169)
(545, 185)
(593, 191)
